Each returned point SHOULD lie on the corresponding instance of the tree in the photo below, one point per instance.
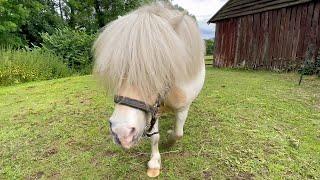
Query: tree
(210, 46)
(22, 22)
(43, 18)
(12, 16)
(94, 14)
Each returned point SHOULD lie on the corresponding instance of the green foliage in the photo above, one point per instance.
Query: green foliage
(209, 46)
(74, 46)
(94, 14)
(317, 65)
(310, 66)
(23, 21)
(117, 7)
(43, 18)
(12, 16)
(18, 66)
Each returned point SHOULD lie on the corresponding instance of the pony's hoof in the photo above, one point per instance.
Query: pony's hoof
(171, 142)
(172, 139)
(153, 172)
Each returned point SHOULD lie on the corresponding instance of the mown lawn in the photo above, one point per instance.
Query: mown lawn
(245, 124)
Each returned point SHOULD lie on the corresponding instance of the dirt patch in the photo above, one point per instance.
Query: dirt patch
(67, 102)
(30, 87)
(55, 176)
(95, 162)
(85, 101)
(109, 153)
(72, 142)
(269, 148)
(207, 175)
(37, 175)
(243, 176)
(79, 145)
(50, 152)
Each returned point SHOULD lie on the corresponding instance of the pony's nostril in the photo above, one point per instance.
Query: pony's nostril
(133, 130)
(117, 139)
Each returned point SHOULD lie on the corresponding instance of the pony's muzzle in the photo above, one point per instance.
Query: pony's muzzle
(123, 136)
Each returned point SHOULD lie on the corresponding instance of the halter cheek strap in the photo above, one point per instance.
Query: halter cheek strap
(153, 110)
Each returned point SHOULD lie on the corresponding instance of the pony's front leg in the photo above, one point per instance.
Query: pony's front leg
(154, 164)
(181, 116)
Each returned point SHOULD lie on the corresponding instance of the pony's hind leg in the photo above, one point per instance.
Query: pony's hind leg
(181, 116)
(154, 164)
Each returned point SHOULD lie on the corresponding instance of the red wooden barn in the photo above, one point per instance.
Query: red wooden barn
(267, 34)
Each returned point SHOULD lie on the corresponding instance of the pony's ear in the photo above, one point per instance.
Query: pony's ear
(177, 20)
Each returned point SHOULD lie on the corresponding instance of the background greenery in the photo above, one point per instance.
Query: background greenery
(23, 22)
(73, 46)
(209, 46)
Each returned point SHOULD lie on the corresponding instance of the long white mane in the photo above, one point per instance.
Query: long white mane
(151, 49)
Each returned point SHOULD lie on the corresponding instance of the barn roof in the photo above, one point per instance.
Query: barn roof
(236, 8)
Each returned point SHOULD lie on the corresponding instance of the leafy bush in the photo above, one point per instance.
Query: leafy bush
(317, 65)
(311, 67)
(18, 66)
(209, 46)
(74, 46)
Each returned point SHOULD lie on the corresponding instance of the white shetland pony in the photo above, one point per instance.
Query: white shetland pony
(152, 54)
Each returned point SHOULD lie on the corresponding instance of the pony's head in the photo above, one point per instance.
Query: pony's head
(127, 124)
(139, 56)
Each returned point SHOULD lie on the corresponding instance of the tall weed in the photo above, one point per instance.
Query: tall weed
(18, 66)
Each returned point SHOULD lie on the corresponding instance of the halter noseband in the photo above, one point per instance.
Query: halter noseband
(153, 110)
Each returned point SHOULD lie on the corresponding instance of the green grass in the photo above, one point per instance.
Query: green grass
(245, 124)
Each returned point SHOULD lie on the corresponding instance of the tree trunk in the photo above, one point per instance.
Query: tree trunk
(99, 16)
(60, 9)
(72, 21)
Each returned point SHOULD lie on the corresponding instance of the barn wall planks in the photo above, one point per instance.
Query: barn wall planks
(276, 39)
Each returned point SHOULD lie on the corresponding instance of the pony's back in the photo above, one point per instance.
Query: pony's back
(151, 49)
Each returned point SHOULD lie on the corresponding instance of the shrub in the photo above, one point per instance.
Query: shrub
(308, 68)
(18, 66)
(311, 67)
(74, 46)
(209, 46)
(317, 65)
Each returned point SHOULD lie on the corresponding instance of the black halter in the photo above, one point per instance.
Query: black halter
(153, 110)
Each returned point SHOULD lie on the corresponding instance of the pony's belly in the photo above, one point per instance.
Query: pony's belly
(182, 94)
